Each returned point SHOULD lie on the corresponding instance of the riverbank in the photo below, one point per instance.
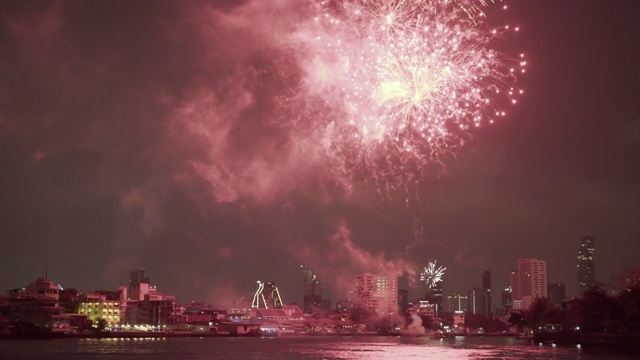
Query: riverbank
(172, 334)
(621, 341)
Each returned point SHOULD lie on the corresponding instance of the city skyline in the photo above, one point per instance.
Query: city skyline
(367, 286)
(153, 136)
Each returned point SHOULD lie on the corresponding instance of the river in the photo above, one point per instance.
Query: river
(307, 347)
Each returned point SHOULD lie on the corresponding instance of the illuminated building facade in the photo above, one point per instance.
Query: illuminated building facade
(528, 283)
(266, 296)
(585, 265)
(101, 306)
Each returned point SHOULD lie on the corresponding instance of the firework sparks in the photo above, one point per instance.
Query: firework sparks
(407, 79)
(432, 274)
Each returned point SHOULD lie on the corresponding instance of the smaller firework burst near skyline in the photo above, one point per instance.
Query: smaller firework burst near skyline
(432, 274)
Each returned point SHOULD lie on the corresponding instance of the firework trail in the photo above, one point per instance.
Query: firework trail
(400, 82)
(432, 274)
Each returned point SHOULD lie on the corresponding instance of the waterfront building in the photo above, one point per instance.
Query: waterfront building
(458, 319)
(138, 284)
(38, 304)
(146, 305)
(101, 305)
(424, 308)
(585, 264)
(157, 312)
(199, 317)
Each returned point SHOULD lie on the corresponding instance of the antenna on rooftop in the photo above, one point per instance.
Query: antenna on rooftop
(44, 271)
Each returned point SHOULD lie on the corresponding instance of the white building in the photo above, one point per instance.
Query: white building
(376, 293)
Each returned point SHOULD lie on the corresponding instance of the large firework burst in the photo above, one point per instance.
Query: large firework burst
(405, 80)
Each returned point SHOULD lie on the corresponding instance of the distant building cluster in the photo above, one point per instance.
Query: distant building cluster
(528, 282)
(45, 306)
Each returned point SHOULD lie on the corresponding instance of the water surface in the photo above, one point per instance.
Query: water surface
(306, 347)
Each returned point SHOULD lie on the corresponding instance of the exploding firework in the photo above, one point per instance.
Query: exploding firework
(432, 275)
(405, 80)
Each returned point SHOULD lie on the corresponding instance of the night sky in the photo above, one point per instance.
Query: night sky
(146, 134)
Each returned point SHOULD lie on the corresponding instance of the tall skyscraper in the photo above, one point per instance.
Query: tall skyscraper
(478, 301)
(585, 264)
(436, 297)
(528, 283)
(312, 291)
(376, 293)
(486, 280)
(486, 285)
(403, 299)
(506, 300)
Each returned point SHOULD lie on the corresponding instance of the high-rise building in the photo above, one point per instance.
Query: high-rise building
(486, 280)
(506, 300)
(585, 264)
(436, 297)
(457, 303)
(376, 293)
(312, 291)
(403, 299)
(556, 293)
(486, 285)
(528, 283)
(515, 289)
(478, 301)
